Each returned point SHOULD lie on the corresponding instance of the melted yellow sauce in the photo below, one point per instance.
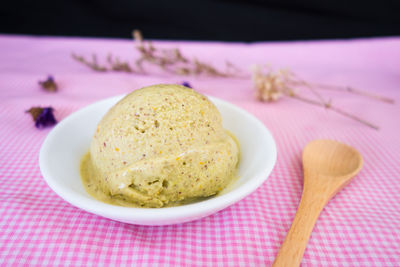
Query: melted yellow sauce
(96, 192)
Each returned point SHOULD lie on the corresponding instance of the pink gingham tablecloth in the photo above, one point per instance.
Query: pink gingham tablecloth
(359, 227)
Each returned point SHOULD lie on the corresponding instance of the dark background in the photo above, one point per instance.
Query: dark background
(239, 20)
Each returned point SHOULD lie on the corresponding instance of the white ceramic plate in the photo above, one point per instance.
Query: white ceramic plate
(65, 145)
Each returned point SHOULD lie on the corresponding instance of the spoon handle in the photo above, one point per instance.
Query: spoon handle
(292, 250)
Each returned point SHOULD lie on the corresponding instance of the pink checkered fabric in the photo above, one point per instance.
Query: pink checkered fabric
(359, 227)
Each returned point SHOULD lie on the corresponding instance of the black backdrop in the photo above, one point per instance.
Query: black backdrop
(239, 20)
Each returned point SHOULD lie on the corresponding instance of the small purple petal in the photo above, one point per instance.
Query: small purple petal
(46, 118)
(187, 84)
(42, 117)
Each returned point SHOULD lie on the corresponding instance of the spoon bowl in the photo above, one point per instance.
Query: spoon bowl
(331, 158)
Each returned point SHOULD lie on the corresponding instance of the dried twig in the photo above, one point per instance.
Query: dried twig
(295, 80)
(117, 65)
(91, 64)
(337, 110)
(355, 91)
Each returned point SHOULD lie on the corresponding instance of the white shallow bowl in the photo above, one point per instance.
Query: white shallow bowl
(61, 153)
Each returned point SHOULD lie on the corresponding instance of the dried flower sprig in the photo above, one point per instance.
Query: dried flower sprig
(170, 60)
(272, 85)
(49, 85)
(42, 117)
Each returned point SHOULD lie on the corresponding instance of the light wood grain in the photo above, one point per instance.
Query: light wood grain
(328, 167)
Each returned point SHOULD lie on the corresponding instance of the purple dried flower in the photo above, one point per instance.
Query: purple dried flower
(42, 117)
(49, 85)
(187, 84)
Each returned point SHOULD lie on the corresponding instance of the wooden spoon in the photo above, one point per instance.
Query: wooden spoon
(328, 167)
